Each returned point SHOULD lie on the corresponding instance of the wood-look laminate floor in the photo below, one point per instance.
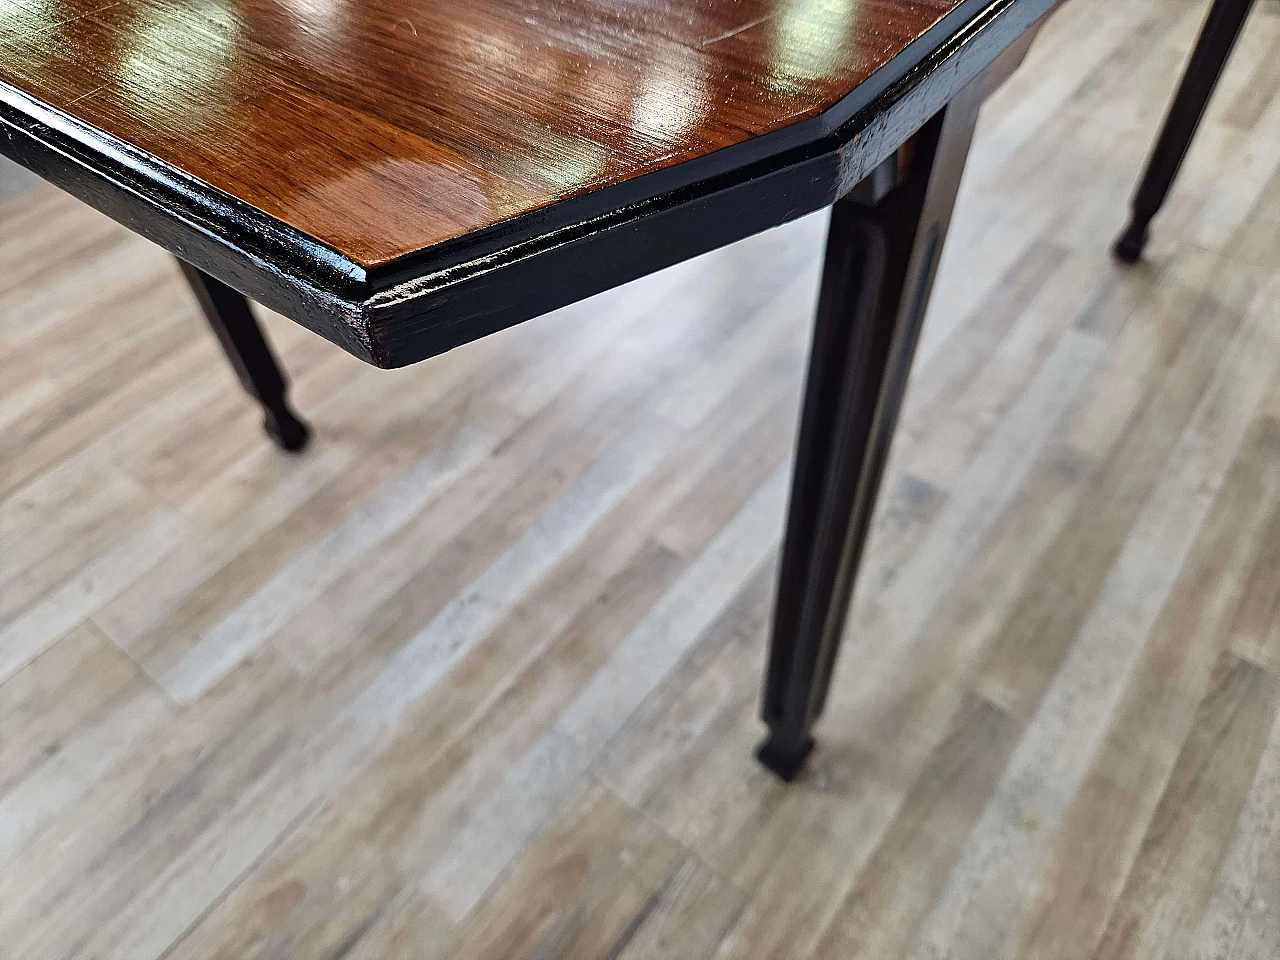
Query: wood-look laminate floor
(477, 675)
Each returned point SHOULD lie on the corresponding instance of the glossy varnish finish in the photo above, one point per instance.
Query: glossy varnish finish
(381, 127)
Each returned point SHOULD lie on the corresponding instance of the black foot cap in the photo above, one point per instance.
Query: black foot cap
(1128, 247)
(784, 757)
(287, 431)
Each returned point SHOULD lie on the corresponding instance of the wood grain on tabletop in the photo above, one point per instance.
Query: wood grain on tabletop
(381, 127)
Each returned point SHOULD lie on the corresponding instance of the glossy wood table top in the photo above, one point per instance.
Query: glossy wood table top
(372, 142)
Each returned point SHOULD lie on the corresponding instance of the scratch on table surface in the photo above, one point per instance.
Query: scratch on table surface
(86, 94)
(89, 12)
(735, 31)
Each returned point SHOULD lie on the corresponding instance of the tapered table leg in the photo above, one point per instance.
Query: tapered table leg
(231, 317)
(1217, 37)
(880, 263)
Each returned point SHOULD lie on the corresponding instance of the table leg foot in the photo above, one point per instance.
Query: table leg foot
(286, 430)
(784, 755)
(1130, 244)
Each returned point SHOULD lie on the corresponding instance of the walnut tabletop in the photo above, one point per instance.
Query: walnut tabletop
(382, 127)
(406, 175)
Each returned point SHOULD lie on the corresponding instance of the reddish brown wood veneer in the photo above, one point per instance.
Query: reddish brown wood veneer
(382, 127)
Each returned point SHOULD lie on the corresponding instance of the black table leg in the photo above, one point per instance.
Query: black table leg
(880, 263)
(1217, 37)
(232, 320)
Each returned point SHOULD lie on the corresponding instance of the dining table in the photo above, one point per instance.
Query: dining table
(403, 177)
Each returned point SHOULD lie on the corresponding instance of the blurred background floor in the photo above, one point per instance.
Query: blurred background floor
(477, 675)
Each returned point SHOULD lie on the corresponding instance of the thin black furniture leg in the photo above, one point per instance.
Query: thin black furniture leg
(880, 263)
(232, 320)
(1217, 37)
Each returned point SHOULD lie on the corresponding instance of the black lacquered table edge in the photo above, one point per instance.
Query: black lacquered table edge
(425, 303)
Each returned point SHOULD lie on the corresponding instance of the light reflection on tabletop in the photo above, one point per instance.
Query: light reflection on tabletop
(383, 126)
